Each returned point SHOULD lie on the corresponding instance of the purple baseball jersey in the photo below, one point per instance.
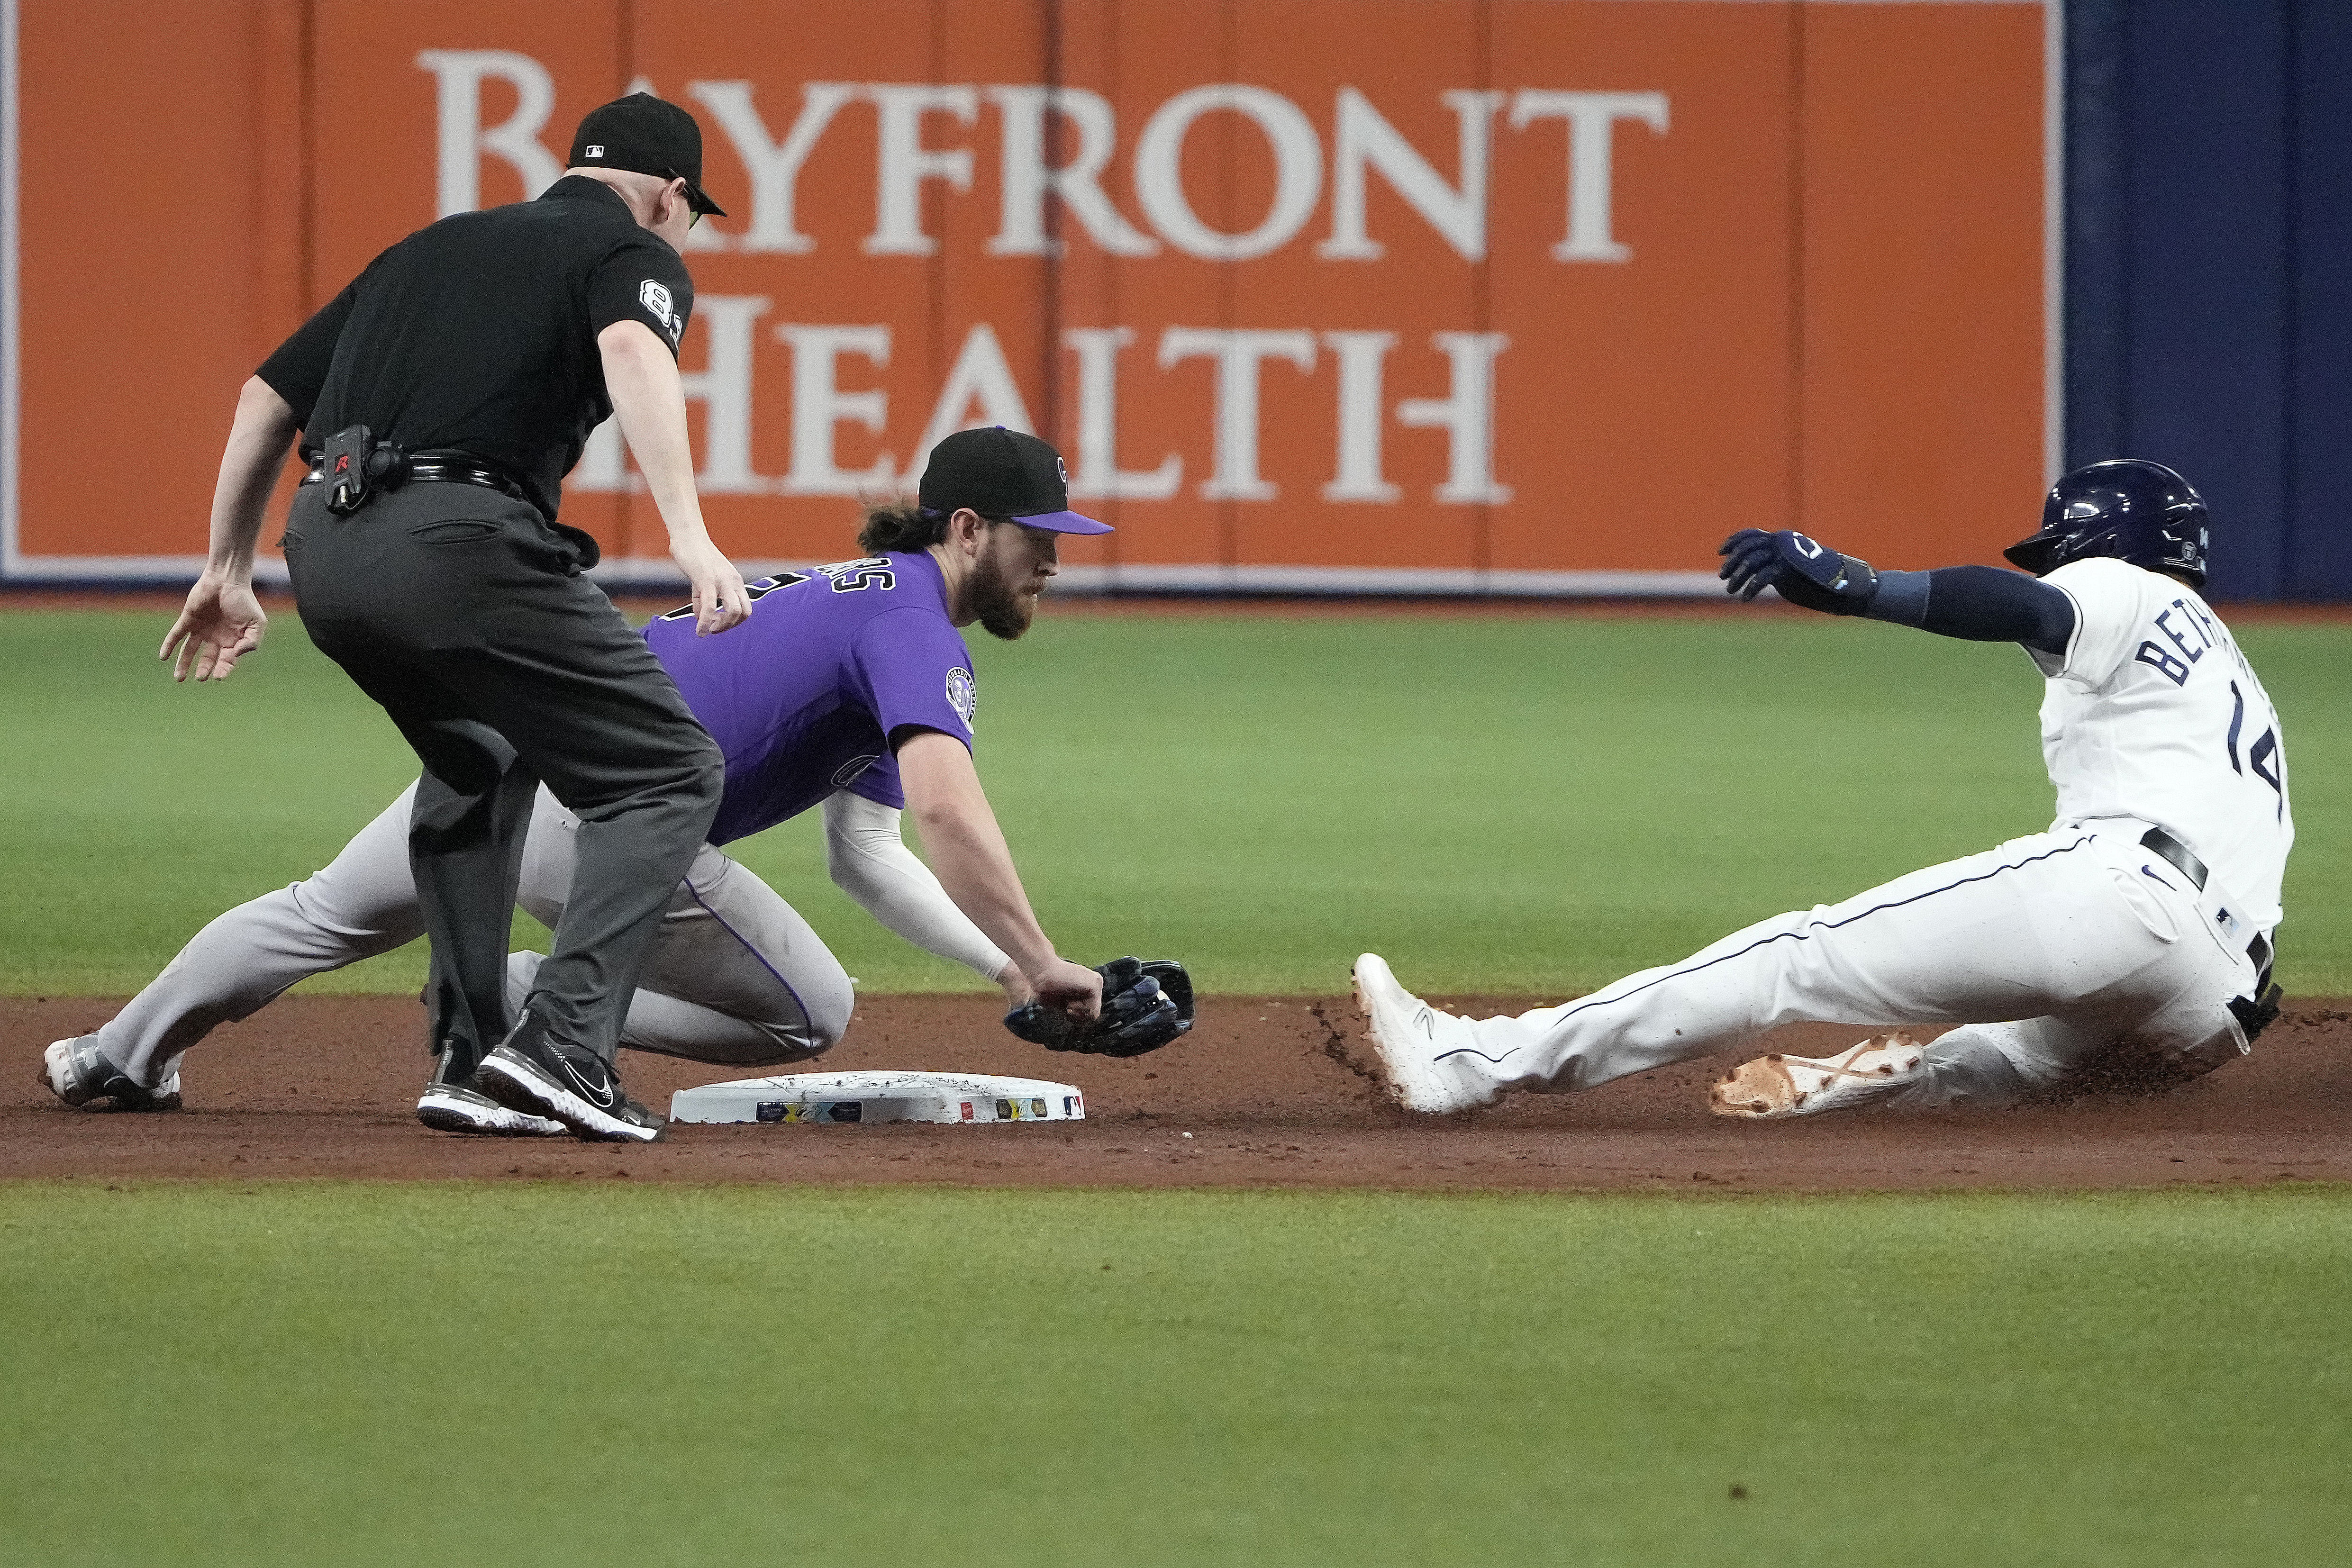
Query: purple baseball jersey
(803, 696)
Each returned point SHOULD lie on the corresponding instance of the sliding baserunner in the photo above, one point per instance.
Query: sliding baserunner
(2136, 929)
(851, 688)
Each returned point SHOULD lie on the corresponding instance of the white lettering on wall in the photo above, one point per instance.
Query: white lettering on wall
(981, 389)
(1364, 142)
(1362, 137)
(1355, 476)
(1234, 475)
(463, 142)
(820, 406)
(1027, 182)
(978, 375)
(603, 466)
(724, 387)
(1099, 476)
(1297, 170)
(1591, 119)
(902, 163)
(774, 167)
(1467, 417)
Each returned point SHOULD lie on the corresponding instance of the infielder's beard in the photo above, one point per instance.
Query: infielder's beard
(1004, 611)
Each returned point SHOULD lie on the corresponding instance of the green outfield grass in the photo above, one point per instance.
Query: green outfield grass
(331, 1374)
(1501, 805)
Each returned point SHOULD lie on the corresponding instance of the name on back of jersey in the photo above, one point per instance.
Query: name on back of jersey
(2191, 633)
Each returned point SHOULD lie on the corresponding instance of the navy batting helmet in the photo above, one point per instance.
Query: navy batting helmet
(2133, 510)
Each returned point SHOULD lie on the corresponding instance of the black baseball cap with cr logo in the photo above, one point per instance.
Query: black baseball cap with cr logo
(1002, 473)
(646, 135)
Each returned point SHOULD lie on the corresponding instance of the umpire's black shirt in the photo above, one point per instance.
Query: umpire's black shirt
(479, 334)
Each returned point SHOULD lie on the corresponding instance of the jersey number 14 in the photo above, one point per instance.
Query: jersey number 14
(2264, 758)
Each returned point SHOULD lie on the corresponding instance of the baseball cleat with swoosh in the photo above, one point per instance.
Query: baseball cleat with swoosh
(540, 1077)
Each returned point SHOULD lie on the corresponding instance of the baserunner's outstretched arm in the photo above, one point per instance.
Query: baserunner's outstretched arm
(1979, 603)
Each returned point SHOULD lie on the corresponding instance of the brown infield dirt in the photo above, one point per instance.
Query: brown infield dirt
(1266, 1092)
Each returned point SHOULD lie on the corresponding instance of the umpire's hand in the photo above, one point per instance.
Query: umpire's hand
(641, 376)
(221, 623)
(719, 600)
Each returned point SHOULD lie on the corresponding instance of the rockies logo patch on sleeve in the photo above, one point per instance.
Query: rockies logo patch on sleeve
(961, 695)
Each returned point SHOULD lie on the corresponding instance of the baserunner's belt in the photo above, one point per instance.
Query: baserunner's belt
(2184, 860)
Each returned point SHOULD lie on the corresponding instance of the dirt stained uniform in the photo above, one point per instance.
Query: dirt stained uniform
(2137, 918)
(457, 601)
(2128, 942)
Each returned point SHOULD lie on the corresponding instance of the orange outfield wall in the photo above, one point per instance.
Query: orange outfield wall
(1456, 292)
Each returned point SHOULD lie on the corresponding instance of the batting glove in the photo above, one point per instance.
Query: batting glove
(1799, 571)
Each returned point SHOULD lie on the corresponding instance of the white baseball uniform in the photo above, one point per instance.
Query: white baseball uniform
(2051, 948)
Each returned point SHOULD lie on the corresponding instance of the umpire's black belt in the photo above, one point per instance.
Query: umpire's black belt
(2166, 847)
(443, 468)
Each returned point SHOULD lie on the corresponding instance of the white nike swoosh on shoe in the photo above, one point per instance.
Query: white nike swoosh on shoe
(605, 1096)
(552, 1097)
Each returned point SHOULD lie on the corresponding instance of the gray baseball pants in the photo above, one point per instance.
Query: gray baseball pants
(734, 975)
(462, 611)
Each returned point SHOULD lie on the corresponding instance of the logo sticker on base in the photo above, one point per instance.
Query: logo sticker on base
(793, 1114)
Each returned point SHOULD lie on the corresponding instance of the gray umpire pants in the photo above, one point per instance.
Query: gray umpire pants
(463, 613)
(734, 976)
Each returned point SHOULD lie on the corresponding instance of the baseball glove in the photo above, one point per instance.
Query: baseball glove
(1145, 1003)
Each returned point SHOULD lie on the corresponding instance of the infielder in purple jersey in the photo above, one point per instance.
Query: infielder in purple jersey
(851, 689)
(860, 650)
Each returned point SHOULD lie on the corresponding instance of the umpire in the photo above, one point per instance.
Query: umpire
(441, 398)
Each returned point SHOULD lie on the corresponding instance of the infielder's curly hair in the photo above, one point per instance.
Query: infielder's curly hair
(901, 524)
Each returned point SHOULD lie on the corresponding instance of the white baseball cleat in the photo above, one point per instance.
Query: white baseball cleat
(78, 1073)
(1430, 1057)
(461, 1108)
(1770, 1087)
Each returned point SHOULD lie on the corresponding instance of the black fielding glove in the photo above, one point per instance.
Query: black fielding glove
(1145, 1003)
(1802, 572)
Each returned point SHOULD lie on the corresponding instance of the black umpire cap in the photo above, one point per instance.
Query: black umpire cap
(646, 135)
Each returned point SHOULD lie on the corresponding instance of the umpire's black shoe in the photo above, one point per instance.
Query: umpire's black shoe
(78, 1073)
(453, 1102)
(541, 1077)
